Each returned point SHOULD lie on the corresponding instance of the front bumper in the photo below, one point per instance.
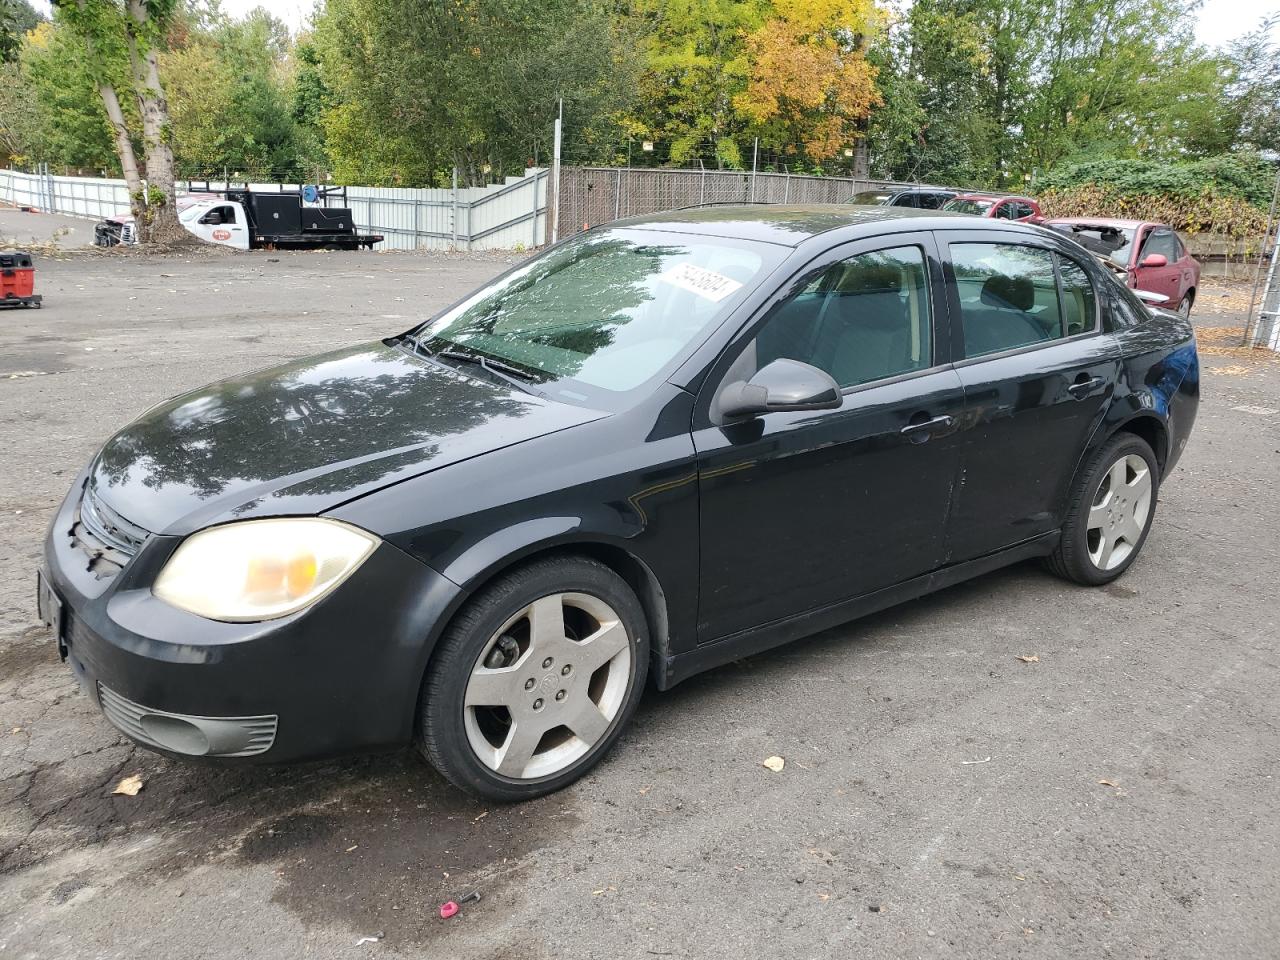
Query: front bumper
(341, 676)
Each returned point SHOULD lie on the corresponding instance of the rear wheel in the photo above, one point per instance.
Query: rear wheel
(1109, 513)
(1188, 301)
(535, 679)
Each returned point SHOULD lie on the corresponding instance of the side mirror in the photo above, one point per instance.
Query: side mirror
(1155, 260)
(212, 218)
(781, 385)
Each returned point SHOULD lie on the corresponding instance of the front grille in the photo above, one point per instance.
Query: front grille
(222, 736)
(111, 531)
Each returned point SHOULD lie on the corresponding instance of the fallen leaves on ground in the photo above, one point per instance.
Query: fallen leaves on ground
(129, 786)
(774, 763)
(1108, 783)
(1028, 658)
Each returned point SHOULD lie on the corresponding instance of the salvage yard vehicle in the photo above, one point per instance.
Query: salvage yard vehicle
(248, 219)
(997, 207)
(662, 445)
(926, 198)
(1149, 256)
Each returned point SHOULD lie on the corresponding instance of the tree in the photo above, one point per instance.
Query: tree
(810, 81)
(229, 100)
(472, 84)
(17, 18)
(126, 35)
(692, 67)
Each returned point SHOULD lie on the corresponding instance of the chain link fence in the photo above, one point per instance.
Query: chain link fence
(590, 196)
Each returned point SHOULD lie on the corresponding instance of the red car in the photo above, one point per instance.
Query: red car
(997, 207)
(1150, 256)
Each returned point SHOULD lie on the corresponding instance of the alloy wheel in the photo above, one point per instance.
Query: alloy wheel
(547, 686)
(1121, 508)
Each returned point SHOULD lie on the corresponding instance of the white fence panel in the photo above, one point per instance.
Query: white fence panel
(503, 216)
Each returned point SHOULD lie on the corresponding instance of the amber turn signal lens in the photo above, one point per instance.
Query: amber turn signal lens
(301, 575)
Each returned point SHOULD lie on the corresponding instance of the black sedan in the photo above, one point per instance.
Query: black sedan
(660, 446)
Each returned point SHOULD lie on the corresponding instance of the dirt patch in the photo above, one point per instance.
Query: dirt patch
(1226, 342)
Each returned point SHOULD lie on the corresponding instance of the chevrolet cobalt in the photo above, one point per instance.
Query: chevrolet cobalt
(662, 445)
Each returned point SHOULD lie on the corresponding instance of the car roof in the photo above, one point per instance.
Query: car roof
(1116, 223)
(787, 225)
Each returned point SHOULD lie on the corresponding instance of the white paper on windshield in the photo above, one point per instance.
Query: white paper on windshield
(705, 283)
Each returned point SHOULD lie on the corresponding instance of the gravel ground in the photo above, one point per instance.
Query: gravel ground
(941, 797)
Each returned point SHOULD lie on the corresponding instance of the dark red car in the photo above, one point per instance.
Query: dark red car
(997, 207)
(1150, 256)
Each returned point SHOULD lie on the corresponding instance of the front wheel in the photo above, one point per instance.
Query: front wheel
(1184, 308)
(535, 679)
(1109, 513)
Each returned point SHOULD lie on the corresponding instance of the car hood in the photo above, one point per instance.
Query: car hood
(307, 436)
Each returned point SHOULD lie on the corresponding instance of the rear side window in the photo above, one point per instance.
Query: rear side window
(1025, 210)
(1009, 297)
(862, 319)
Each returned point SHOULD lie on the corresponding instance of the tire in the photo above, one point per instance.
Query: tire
(1083, 555)
(1188, 302)
(491, 649)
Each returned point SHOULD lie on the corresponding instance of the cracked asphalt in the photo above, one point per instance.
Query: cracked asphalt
(1115, 797)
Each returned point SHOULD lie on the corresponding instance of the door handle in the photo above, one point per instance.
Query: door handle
(926, 427)
(1082, 388)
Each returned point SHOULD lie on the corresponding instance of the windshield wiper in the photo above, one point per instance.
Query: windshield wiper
(504, 371)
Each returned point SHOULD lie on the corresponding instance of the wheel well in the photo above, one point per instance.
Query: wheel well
(1152, 431)
(633, 571)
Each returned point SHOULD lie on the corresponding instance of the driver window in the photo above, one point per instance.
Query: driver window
(223, 214)
(1008, 296)
(863, 319)
(1162, 242)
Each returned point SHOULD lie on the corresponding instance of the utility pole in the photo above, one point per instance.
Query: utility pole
(755, 156)
(555, 174)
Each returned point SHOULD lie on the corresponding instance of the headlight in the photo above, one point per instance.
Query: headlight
(261, 569)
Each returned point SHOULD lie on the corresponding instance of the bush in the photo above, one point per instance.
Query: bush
(1203, 213)
(1243, 176)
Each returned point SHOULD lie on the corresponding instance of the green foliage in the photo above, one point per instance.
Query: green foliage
(1244, 176)
(17, 17)
(230, 102)
(62, 111)
(1207, 212)
(421, 88)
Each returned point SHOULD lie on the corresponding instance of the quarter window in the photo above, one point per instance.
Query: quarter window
(863, 319)
(1079, 302)
(1009, 297)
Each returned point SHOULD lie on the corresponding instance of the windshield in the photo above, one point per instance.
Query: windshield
(969, 206)
(1110, 243)
(874, 198)
(606, 311)
(193, 211)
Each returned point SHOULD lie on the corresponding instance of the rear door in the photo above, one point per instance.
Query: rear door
(800, 510)
(1037, 371)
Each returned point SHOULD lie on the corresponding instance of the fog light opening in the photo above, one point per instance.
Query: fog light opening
(176, 734)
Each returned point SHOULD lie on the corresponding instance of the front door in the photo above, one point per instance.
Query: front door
(1037, 371)
(1166, 279)
(800, 510)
